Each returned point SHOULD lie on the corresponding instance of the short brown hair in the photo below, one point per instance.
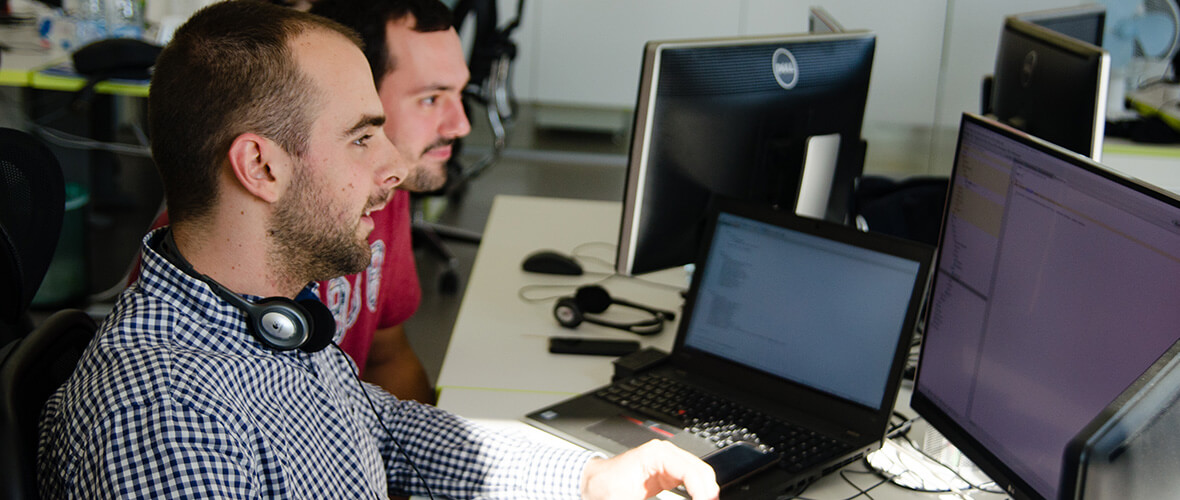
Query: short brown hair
(370, 17)
(227, 71)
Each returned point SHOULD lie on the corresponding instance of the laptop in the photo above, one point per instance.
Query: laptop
(800, 325)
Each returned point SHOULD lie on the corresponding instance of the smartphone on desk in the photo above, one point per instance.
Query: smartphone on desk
(597, 347)
(739, 461)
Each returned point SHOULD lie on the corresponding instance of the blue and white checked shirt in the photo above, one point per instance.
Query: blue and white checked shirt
(175, 399)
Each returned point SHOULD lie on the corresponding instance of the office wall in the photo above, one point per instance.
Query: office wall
(931, 56)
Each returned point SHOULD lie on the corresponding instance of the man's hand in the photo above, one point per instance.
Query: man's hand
(647, 470)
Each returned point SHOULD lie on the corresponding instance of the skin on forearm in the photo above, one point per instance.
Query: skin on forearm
(393, 365)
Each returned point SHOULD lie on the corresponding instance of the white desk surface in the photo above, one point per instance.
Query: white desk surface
(497, 367)
(500, 341)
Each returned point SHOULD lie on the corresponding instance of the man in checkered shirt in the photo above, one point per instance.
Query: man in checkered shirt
(266, 128)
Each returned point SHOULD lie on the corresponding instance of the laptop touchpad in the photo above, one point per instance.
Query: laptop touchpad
(631, 432)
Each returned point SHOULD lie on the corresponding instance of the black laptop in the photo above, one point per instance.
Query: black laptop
(794, 338)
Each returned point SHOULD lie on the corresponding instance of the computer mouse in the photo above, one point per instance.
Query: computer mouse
(551, 262)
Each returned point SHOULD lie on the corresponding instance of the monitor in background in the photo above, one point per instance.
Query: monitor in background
(739, 118)
(1129, 450)
(1052, 86)
(1054, 290)
(820, 21)
(1082, 22)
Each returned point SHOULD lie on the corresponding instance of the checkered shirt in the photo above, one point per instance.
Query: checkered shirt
(175, 399)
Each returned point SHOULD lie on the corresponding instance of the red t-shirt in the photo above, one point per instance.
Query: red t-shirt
(382, 296)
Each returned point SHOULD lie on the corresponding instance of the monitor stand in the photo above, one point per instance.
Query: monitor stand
(819, 170)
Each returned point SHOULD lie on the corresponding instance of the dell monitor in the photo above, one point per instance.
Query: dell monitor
(1081, 22)
(1052, 86)
(1054, 290)
(740, 118)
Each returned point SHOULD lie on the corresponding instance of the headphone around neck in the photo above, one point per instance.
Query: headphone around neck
(593, 299)
(278, 323)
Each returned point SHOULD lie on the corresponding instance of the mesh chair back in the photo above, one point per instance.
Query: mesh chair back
(32, 201)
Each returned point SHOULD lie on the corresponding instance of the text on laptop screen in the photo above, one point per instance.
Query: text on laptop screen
(1056, 286)
(772, 298)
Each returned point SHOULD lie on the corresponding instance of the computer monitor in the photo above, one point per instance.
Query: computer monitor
(1052, 86)
(1129, 450)
(1054, 289)
(1082, 22)
(739, 118)
(820, 21)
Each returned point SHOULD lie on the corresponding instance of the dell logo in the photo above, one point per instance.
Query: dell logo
(1028, 68)
(785, 69)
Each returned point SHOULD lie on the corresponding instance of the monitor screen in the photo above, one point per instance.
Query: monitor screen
(1083, 22)
(1054, 289)
(1052, 86)
(739, 118)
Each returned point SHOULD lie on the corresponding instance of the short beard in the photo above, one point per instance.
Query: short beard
(427, 178)
(308, 245)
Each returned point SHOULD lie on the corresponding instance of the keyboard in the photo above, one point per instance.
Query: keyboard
(720, 420)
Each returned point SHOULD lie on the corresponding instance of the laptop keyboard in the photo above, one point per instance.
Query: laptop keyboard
(720, 420)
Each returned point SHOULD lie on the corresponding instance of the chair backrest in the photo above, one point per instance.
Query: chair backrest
(32, 201)
(490, 41)
(31, 368)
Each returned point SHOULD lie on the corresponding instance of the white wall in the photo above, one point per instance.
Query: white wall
(931, 56)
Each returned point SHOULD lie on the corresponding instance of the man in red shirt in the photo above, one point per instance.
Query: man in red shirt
(420, 71)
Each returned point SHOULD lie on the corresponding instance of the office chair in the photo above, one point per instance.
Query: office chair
(32, 203)
(31, 368)
(490, 64)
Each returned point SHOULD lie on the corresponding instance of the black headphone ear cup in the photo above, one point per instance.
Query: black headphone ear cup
(593, 299)
(567, 312)
(278, 322)
(322, 323)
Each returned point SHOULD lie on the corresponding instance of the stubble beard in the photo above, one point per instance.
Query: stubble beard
(307, 244)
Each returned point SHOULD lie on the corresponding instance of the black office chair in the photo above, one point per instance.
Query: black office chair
(32, 202)
(490, 64)
(31, 368)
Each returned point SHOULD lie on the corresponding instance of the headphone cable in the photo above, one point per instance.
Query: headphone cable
(400, 450)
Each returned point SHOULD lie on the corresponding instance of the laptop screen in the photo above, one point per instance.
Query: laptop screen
(1056, 286)
(811, 310)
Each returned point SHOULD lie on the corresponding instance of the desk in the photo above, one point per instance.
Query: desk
(1153, 163)
(497, 367)
(497, 333)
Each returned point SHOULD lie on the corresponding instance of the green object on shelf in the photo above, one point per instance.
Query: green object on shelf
(67, 282)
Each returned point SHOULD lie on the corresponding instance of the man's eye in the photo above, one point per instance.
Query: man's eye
(362, 140)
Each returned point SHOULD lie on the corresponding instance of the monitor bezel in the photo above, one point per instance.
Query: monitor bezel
(1066, 13)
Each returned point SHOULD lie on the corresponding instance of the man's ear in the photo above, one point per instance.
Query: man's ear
(260, 165)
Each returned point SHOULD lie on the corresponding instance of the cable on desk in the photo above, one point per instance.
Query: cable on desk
(890, 463)
(860, 492)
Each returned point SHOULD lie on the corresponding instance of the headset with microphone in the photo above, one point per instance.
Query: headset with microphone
(593, 299)
(279, 323)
